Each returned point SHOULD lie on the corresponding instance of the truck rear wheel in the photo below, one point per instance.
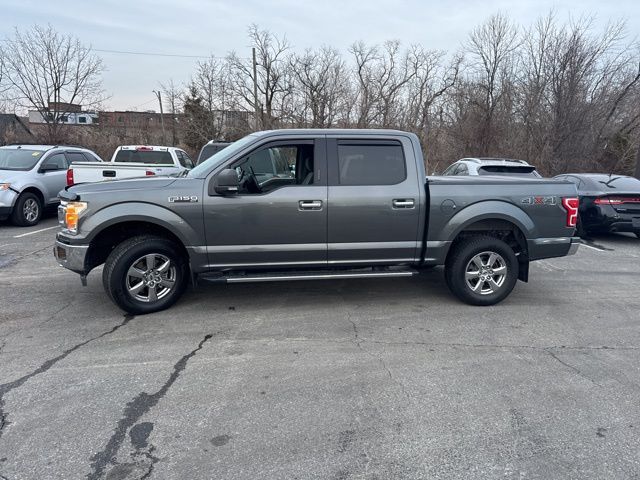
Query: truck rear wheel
(481, 270)
(145, 274)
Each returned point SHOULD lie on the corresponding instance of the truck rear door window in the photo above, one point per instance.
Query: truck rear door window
(151, 157)
(361, 163)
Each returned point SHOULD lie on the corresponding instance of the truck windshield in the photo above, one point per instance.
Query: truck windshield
(222, 155)
(19, 159)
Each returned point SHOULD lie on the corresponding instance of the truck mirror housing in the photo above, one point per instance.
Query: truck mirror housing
(225, 183)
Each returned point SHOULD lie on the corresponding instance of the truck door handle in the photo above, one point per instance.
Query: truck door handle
(403, 203)
(109, 173)
(310, 205)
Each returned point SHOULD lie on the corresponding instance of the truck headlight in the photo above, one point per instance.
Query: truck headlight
(72, 213)
(4, 186)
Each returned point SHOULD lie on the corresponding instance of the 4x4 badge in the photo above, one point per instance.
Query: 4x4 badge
(538, 201)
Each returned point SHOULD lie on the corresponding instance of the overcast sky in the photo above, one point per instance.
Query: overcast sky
(201, 27)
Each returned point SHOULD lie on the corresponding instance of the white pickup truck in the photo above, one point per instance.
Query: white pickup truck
(131, 161)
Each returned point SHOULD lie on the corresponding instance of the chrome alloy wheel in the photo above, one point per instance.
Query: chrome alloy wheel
(30, 210)
(151, 278)
(485, 273)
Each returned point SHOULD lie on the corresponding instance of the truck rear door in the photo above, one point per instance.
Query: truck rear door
(374, 201)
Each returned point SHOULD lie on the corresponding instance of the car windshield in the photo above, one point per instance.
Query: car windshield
(505, 170)
(19, 159)
(222, 155)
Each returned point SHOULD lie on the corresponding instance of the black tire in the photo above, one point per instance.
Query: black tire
(27, 211)
(132, 256)
(491, 287)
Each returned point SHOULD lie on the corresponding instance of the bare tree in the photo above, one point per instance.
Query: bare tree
(46, 70)
(173, 101)
(273, 77)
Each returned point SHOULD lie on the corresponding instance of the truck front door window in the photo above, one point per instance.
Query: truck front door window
(273, 167)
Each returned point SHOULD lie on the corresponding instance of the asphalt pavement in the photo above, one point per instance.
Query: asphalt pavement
(349, 379)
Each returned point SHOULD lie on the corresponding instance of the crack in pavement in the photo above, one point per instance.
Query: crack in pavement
(358, 342)
(571, 367)
(8, 387)
(133, 411)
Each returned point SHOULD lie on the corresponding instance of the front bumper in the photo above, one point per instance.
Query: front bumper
(7, 201)
(71, 256)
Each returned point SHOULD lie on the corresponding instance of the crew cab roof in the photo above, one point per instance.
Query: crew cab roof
(330, 131)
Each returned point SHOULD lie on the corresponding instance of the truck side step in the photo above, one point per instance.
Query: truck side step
(308, 275)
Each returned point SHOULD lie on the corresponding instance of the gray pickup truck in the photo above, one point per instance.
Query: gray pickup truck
(309, 205)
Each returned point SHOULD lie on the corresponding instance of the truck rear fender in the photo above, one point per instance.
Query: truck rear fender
(494, 218)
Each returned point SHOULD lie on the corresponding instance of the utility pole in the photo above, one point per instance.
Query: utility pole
(636, 172)
(159, 95)
(255, 89)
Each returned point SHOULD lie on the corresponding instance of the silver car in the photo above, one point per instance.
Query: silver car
(31, 177)
(492, 166)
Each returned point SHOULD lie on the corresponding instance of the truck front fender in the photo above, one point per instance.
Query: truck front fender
(138, 212)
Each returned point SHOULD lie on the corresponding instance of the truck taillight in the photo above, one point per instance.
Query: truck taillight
(571, 204)
(70, 181)
(149, 173)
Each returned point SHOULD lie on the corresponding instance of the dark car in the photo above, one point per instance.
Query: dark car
(210, 149)
(608, 203)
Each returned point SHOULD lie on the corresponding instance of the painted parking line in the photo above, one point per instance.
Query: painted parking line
(592, 247)
(36, 231)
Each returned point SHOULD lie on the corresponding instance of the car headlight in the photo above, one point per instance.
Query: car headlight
(5, 186)
(73, 212)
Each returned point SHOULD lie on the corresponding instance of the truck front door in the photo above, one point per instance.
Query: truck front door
(374, 201)
(278, 219)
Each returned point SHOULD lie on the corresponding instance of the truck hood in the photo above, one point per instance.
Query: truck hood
(127, 185)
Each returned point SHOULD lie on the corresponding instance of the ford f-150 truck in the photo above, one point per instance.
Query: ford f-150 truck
(358, 205)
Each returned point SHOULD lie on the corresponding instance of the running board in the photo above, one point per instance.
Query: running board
(307, 275)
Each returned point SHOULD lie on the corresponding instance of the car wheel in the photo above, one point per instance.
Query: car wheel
(27, 210)
(481, 270)
(145, 274)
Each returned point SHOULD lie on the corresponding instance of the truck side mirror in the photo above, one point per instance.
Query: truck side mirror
(225, 183)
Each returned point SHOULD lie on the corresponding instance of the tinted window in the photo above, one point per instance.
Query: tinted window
(506, 170)
(184, 159)
(79, 157)
(450, 170)
(209, 150)
(57, 160)
(145, 156)
(616, 182)
(19, 159)
(462, 169)
(362, 164)
(272, 167)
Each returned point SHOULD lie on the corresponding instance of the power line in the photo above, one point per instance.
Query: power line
(150, 54)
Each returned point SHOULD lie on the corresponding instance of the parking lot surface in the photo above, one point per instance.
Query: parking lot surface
(387, 378)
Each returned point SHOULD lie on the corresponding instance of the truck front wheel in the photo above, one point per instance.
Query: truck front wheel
(145, 274)
(481, 270)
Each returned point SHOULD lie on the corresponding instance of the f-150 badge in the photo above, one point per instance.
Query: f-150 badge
(183, 199)
(538, 201)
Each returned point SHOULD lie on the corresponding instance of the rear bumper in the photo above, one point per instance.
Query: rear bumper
(540, 248)
(71, 257)
(605, 218)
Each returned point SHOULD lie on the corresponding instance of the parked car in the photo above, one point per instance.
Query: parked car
(31, 177)
(129, 161)
(210, 149)
(608, 203)
(492, 166)
(357, 207)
